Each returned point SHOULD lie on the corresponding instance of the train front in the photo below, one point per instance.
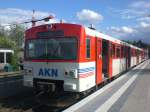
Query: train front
(51, 57)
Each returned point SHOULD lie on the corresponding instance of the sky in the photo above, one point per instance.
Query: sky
(122, 19)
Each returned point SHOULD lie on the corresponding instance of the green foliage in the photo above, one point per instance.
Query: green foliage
(17, 34)
(6, 42)
(2, 31)
(138, 43)
(14, 60)
(12, 39)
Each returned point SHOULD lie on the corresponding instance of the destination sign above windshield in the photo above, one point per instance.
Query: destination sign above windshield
(57, 33)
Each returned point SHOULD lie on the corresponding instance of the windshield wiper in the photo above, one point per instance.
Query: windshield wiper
(54, 53)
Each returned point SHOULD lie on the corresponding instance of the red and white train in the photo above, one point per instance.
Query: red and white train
(75, 58)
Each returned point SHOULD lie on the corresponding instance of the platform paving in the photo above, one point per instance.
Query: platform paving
(129, 93)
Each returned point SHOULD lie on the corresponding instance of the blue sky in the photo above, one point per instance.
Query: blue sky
(124, 19)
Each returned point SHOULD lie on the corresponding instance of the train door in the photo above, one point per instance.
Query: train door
(105, 58)
(98, 61)
(137, 54)
(128, 57)
(110, 58)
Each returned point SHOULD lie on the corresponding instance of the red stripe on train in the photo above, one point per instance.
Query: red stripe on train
(85, 75)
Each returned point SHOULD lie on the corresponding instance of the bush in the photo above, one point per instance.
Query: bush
(5, 42)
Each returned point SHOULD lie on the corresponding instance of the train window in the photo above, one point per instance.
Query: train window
(135, 53)
(31, 47)
(113, 50)
(110, 47)
(52, 48)
(118, 52)
(122, 51)
(1, 57)
(8, 57)
(88, 46)
(132, 52)
(138, 53)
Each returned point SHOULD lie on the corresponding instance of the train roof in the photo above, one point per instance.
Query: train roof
(107, 37)
(92, 32)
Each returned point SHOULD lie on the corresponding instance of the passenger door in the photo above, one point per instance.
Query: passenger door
(98, 60)
(110, 60)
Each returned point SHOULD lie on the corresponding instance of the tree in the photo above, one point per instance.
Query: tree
(12, 38)
(2, 31)
(17, 35)
(6, 42)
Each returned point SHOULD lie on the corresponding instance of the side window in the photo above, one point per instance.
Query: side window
(110, 49)
(113, 50)
(135, 53)
(122, 51)
(131, 52)
(88, 47)
(118, 52)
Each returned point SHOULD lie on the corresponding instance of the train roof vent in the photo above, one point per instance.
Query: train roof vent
(92, 27)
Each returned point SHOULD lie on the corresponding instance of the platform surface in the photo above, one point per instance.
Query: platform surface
(128, 93)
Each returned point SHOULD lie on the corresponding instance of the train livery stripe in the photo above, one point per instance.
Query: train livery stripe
(86, 72)
(86, 75)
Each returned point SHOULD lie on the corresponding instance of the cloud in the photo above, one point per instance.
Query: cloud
(123, 29)
(144, 19)
(138, 32)
(89, 17)
(140, 4)
(15, 15)
(135, 10)
(144, 25)
(128, 30)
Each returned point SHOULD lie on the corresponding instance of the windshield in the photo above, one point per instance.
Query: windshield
(53, 48)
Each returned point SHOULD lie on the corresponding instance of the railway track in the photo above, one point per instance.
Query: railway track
(58, 102)
(18, 103)
(29, 102)
(14, 97)
(54, 102)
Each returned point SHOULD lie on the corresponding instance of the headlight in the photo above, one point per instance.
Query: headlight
(71, 73)
(28, 71)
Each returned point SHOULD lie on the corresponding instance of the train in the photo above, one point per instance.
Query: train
(74, 58)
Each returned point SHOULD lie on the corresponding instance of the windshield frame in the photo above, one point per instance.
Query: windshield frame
(48, 60)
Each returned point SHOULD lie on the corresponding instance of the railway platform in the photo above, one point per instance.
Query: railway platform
(128, 93)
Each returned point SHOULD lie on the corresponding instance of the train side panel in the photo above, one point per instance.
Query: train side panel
(119, 65)
(87, 75)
